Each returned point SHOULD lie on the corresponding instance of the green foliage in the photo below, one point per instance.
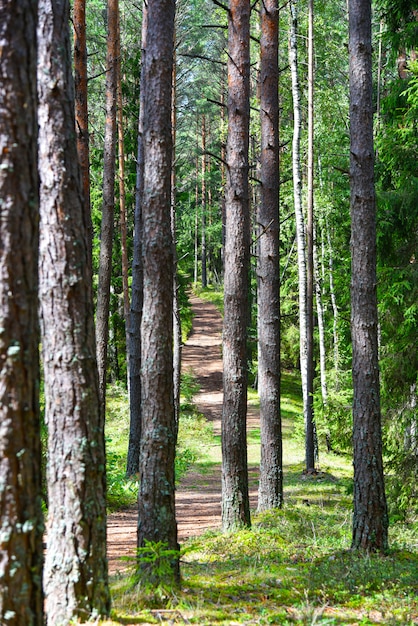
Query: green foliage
(122, 492)
(397, 190)
(292, 567)
(153, 575)
(195, 433)
(186, 316)
(402, 25)
(334, 419)
(212, 294)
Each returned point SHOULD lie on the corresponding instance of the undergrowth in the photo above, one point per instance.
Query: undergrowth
(294, 566)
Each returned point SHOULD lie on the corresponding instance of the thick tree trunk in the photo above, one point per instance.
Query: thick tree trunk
(76, 566)
(157, 521)
(135, 403)
(270, 491)
(370, 520)
(235, 499)
(81, 107)
(108, 208)
(21, 519)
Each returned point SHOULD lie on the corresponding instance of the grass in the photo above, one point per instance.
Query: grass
(294, 565)
(211, 294)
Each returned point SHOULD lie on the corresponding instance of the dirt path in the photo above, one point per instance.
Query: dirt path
(198, 499)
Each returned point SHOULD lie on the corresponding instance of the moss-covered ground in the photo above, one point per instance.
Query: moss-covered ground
(294, 566)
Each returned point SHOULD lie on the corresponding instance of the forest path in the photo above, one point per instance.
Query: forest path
(198, 497)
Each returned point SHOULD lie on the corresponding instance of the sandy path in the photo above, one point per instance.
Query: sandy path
(198, 499)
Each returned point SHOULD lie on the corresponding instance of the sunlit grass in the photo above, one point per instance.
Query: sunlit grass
(294, 566)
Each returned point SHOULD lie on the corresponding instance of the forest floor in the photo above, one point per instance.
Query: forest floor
(198, 497)
(294, 566)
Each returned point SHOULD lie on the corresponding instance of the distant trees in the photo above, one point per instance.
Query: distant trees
(370, 521)
(21, 520)
(108, 209)
(235, 498)
(135, 317)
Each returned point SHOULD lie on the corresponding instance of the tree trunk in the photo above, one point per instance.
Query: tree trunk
(333, 302)
(76, 566)
(203, 199)
(122, 211)
(235, 499)
(177, 336)
(157, 521)
(196, 225)
(108, 209)
(135, 395)
(321, 323)
(370, 521)
(300, 238)
(270, 491)
(81, 107)
(21, 519)
(311, 444)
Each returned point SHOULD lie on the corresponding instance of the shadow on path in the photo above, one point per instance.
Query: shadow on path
(198, 498)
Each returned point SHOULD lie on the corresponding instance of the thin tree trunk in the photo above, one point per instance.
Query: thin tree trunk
(321, 326)
(203, 199)
(122, 207)
(157, 520)
(177, 337)
(235, 498)
(311, 443)
(333, 301)
(270, 491)
(300, 234)
(196, 225)
(223, 174)
(135, 395)
(75, 581)
(370, 519)
(81, 108)
(21, 518)
(108, 209)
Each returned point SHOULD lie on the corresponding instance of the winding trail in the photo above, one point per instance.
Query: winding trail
(198, 498)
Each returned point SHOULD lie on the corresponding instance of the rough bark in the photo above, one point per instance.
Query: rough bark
(21, 522)
(157, 521)
(235, 499)
(135, 319)
(204, 205)
(122, 206)
(75, 580)
(270, 491)
(108, 207)
(370, 520)
(81, 106)
(196, 224)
